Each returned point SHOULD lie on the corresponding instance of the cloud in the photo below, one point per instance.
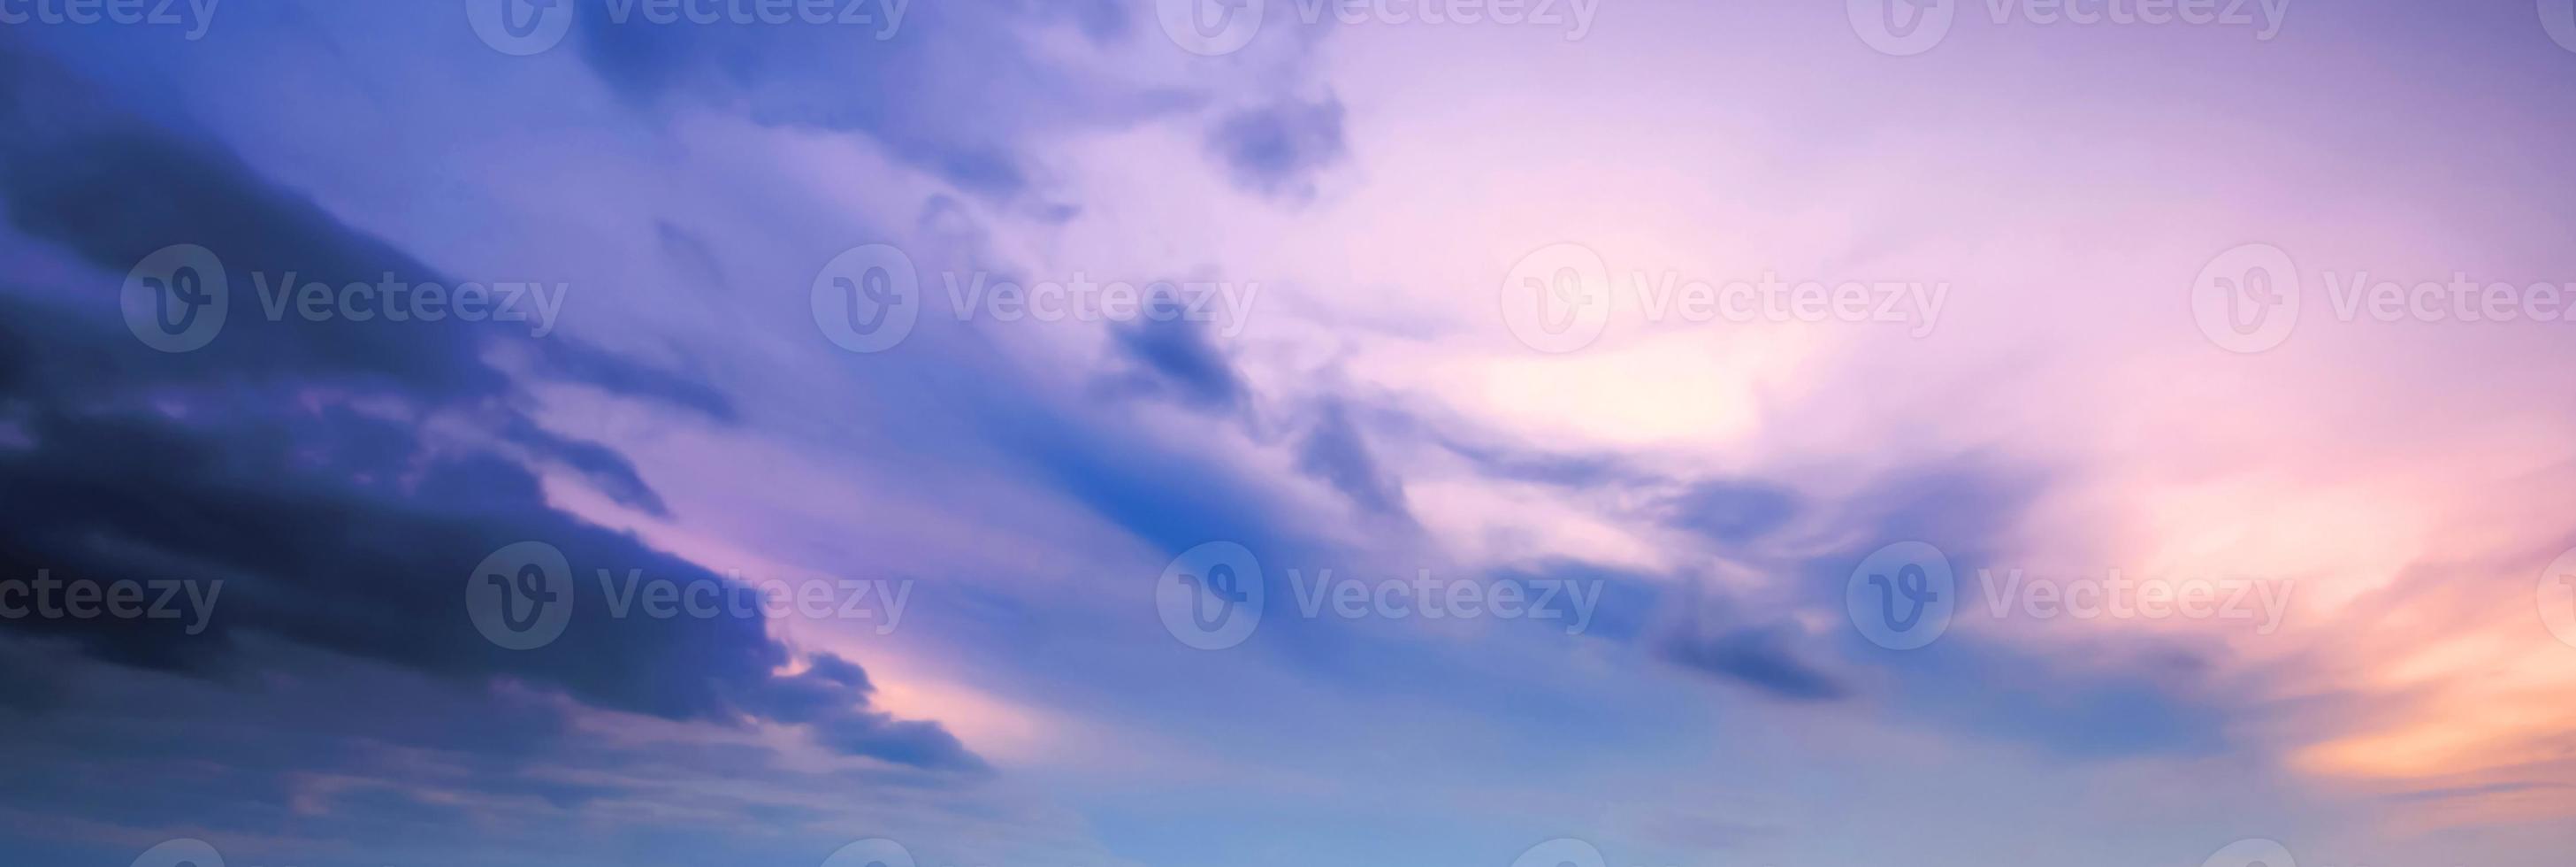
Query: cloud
(1334, 452)
(2114, 703)
(341, 481)
(1764, 657)
(908, 87)
(1277, 149)
(1180, 358)
(1732, 512)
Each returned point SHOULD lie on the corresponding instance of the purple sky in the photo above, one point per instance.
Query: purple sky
(1617, 433)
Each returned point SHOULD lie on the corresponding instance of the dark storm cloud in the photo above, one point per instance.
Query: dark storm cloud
(334, 528)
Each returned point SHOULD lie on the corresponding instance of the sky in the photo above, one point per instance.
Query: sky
(1268, 433)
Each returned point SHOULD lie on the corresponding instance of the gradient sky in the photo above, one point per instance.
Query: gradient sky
(1368, 188)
